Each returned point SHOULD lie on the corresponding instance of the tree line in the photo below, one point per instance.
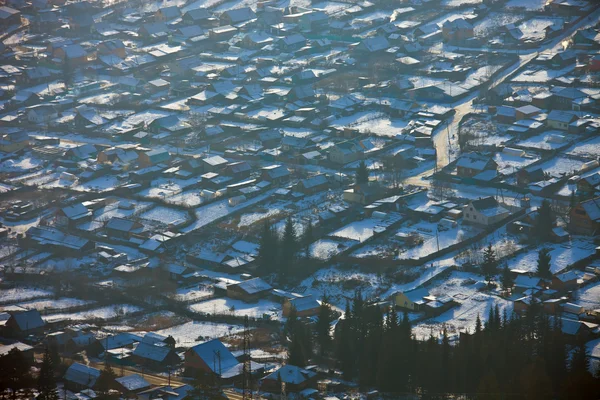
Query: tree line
(520, 357)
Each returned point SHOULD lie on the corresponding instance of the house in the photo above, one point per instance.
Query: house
(153, 157)
(13, 141)
(198, 16)
(154, 31)
(42, 114)
(589, 185)
(471, 164)
(212, 357)
(364, 193)
(275, 174)
(24, 322)
(373, 45)
(73, 53)
(237, 16)
(566, 97)
(9, 17)
(239, 169)
(486, 212)
(560, 119)
(566, 281)
(73, 215)
(410, 300)
(457, 30)
(249, 291)
(122, 228)
(52, 239)
(306, 306)
(131, 385)
(79, 377)
(26, 350)
(293, 42)
(167, 392)
(313, 185)
(113, 47)
(167, 13)
(213, 163)
(346, 152)
(527, 112)
(584, 218)
(155, 357)
(295, 378)
(123, 340)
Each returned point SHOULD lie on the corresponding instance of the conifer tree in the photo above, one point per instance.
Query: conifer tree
(289, 246)
(323, 326)
(543, 264)
(544, 222)
(507, 279)
(489, 265)
(362, 173)
(308, 238)
(46, 383)
(267, 250)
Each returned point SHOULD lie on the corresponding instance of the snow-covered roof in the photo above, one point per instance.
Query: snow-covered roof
(82, 375)
(253, 286)
(133, 382)
(215, 355)
(291, 374)
(151, 352)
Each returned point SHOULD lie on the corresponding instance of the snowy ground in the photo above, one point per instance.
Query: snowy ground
(563, 255)
(195, 332)
(55, 304)
(193, 293)
(227, 306)
(463, 288)
(102, 313)
(589, 296)
(559, 167)
(14, 295)
(273, 210)
(589, 148)
(541, 141)
(324, 249)
(165, 216)
(190, 198)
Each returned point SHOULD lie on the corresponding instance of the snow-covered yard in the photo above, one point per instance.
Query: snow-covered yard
(166, 216)
(102, 313)
(14, 295)
(589, 296)
(195, 332)
(227, 306)
(64, 303)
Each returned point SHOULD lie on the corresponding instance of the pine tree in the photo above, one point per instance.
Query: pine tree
(308, 238)
(489, 266)
(205, 388)
(362, 173)
(105, 381)
(267, 250)
(507, 279)
(543, 264)
(478, 324)
(46, 384)
(323, 326)
(289, 247)
(15, 372)
(170, 342)
(544, 222)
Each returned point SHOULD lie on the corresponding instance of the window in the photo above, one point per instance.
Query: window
(471, 209)
(474, 216)
(467, 215)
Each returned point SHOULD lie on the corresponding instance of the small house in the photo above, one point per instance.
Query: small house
(295, 379)
(486, 212)
(79, 377)
(584, 218)
(24, 322)
(249, 291)
(306, 306)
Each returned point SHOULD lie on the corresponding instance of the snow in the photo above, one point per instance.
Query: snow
(588, 149)
(190, 198)
(589, 296)
(102, 313)
(459, 3)
(509, 164)
(362, 230)
(542, 142)
(463, 288)
(324, 249)
(541, 74)
(529, 5)
(195, 332)
(13, 295)
(101, 184)
(563, 255)
(219, 209)
(55, 304)
(21, 164)
(227, 306)
(163, 188)
(165, 216)
(331, 7)
(559, 167)
(273, 210)
(193, 293)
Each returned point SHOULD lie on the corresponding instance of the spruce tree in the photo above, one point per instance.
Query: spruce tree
(507, 279)
(544, 222)
(543, 264)
(105, 381)
(15, 372)
(489, 266)
(46, 383)
(267, 250)
(308, 238)
(289, 247)
(362, 173)
(323, 326)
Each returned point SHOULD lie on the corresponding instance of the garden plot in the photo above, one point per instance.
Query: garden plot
(14, 295)
(193, 293)
(324, 249)
(590, 148)
(563, 255)
(464, 289)
(20, 164)
(190, 198)
(543, 141)
(509, 164)
(493, 21)
(535, 29)
(238, 308)
(432, 242)
(529, 5)
(99, 185)
(163, 188)
(272, 210)
(589, 296)
(64, 303)
(195, 332)
(559, 167)
(121, 208)
(166, 216)
(541, 74)
(360, 231)
(102, 313)
(340, 285)
(219, 209)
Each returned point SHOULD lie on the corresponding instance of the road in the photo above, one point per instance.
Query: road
(445, 140)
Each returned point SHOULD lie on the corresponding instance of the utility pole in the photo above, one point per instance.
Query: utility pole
(247, 368)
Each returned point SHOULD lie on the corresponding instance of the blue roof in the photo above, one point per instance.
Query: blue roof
(212, 351)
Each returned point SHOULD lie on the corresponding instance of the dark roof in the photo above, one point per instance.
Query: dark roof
(486, 202)
(27, 320)
(215, 350)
